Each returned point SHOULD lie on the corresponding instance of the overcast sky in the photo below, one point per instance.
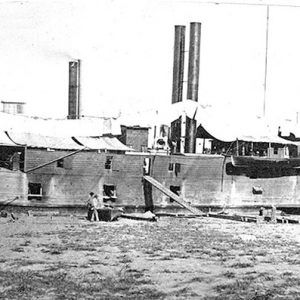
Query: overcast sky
(126, 48)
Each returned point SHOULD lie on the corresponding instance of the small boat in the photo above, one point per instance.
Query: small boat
(264, 162)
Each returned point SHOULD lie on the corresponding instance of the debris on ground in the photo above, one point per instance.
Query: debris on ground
(147, 216)
(175, 258)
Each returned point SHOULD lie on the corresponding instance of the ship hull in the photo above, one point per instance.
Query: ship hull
(203, 180)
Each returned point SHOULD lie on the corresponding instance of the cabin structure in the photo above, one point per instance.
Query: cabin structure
(13, 107)
(43, 171)
(135, 137)
(56, 170)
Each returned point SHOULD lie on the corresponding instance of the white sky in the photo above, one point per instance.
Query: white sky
(126, 48)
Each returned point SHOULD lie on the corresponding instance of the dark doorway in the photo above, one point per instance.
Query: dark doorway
(109, 193)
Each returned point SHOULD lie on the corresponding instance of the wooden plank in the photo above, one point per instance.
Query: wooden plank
(176, 215)
(138, 217)
(176, 198)
(286, 220)
(240, 218)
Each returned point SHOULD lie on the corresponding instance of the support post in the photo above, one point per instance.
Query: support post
(183, 131)
(148, 196)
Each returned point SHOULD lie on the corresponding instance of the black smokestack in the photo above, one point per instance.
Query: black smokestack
(74, 90)
(178, 64)
(190, 135)
(194, 61)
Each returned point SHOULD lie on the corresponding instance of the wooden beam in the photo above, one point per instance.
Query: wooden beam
(172, 195)
(54, 160)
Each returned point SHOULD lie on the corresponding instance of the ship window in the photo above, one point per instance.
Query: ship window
(144, 148)
(176, 190)
(171, 166)
(177, 168)
(34, 191)
(108, 162)
(146, 166)
(257, 190)
(19, 108)
(60, 163)
(109, 192)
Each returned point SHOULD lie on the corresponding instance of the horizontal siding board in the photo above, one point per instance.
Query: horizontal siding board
(13, 184)
(200, 178)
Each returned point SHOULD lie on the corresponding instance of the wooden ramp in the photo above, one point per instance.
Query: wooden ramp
(176, 198)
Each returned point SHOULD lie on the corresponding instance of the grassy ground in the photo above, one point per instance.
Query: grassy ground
(70, 258)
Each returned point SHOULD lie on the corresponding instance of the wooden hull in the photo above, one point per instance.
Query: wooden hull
(204, 180)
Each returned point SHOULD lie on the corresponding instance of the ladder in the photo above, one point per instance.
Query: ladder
(176, 198)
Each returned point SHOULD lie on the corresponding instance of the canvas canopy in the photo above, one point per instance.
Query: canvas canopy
(41, 141)
(228, 135)
(4, 140)
(65, 143)
(212, 133)
(102, 143)
(226, 126)
(86, 126)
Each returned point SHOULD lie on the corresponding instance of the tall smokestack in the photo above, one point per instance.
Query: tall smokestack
(194, 61)
(178, 64)
(190, 135)
(74, 90)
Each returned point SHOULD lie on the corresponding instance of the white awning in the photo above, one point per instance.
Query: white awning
(4, 140)
(103, 143)
(86, 126)
(41, 141)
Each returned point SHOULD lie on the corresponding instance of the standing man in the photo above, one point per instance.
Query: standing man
(100, 203)
(90, 206)
(95, 206)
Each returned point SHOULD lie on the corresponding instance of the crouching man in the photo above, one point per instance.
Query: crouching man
(97, 204)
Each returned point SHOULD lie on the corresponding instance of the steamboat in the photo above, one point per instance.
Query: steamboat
(59, 167)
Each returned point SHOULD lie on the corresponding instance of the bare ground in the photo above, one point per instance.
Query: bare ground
(71, 258)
